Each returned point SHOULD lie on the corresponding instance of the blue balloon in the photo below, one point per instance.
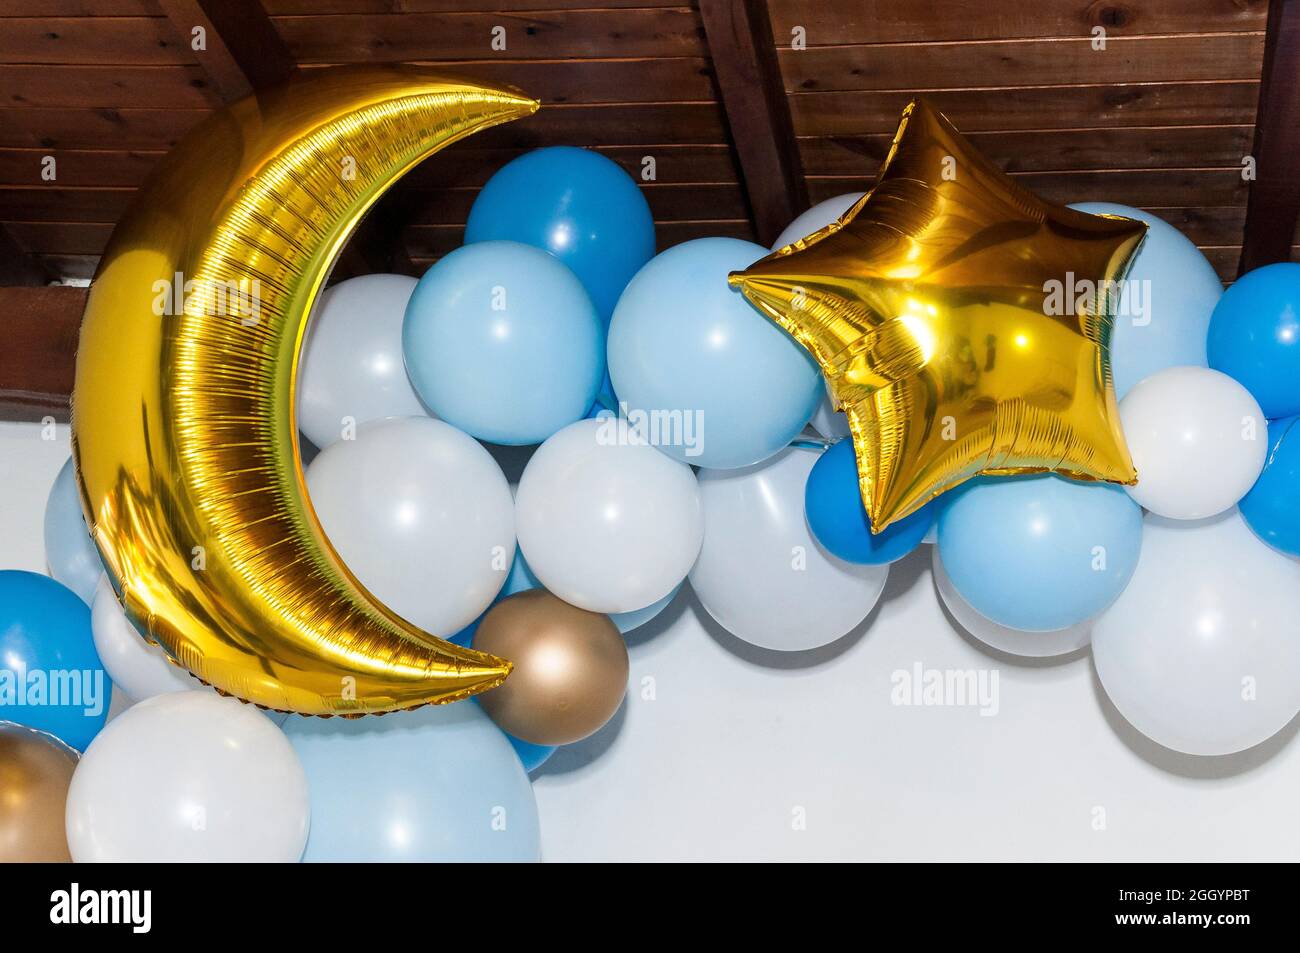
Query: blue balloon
(69, 551)
(521, 577)
(437, 784)
(1039, 553)
(1165, 304)
(531, 756)
(579, 206)
(50, 674)
(502, 342)
(1272, 507)
(1255, 337)
(719, 385)
(837, 518)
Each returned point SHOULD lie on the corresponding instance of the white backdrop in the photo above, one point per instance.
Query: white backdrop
(722, 751)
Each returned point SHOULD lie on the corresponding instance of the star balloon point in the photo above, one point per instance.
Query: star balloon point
(934, 307)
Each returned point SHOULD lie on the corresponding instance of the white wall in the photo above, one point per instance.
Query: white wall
(737, 738)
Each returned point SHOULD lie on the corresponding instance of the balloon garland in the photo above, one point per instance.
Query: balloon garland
(927, 304)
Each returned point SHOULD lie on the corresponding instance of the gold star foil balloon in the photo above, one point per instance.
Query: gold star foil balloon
(962, 323)
(182, 411)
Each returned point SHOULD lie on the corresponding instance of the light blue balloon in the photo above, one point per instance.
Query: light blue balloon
(69, 552)
(521, 578)
(1165, 307)
(578, 205)
(728, 386)
(1039, 553)
(437, 784)
(502, 342)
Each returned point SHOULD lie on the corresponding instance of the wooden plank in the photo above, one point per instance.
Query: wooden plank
(833, 22)
(89, 40)
(36, 365)
(318, 7)
(668, 79)
(1212, 225)
(758, 116)
(242, 52)
(463, 164)
(595, 125)
(660, 79)
(80, 8)
(1142, 188)
(612, 125)
(1138, 147)
(114, 86)
(586, 33)
(63, 128)
(1273, 209)
(1227, 259)
(977, 64)
(1043, 107)
(77, 167)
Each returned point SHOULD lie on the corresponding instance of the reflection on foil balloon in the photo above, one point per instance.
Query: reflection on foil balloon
(962, 323)
(183, 421)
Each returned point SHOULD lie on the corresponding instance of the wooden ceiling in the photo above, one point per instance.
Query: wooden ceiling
(1161, 118)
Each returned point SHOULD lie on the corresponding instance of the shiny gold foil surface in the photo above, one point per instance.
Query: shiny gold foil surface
(183, 408)
(962, 323)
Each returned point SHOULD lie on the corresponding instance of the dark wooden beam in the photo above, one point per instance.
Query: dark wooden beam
(753, 95)
(36, 363)
(1273, 208)
(243, 50)
(18, 266)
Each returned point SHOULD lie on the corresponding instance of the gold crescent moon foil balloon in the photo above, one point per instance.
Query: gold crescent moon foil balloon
(183, 418)
(962, 323)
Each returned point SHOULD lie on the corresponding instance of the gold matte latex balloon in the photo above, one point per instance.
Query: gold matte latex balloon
(35, 771)
(183, 419)
(570, 668)
(962, 323)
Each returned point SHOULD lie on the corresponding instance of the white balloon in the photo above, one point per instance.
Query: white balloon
(189, 776)
(421, 514)
(140, 669)
(760, 572)
(606, 521)
(352, 366)
(1198, 440)
(1002, 637)
(817, 217)
(1200, 652)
